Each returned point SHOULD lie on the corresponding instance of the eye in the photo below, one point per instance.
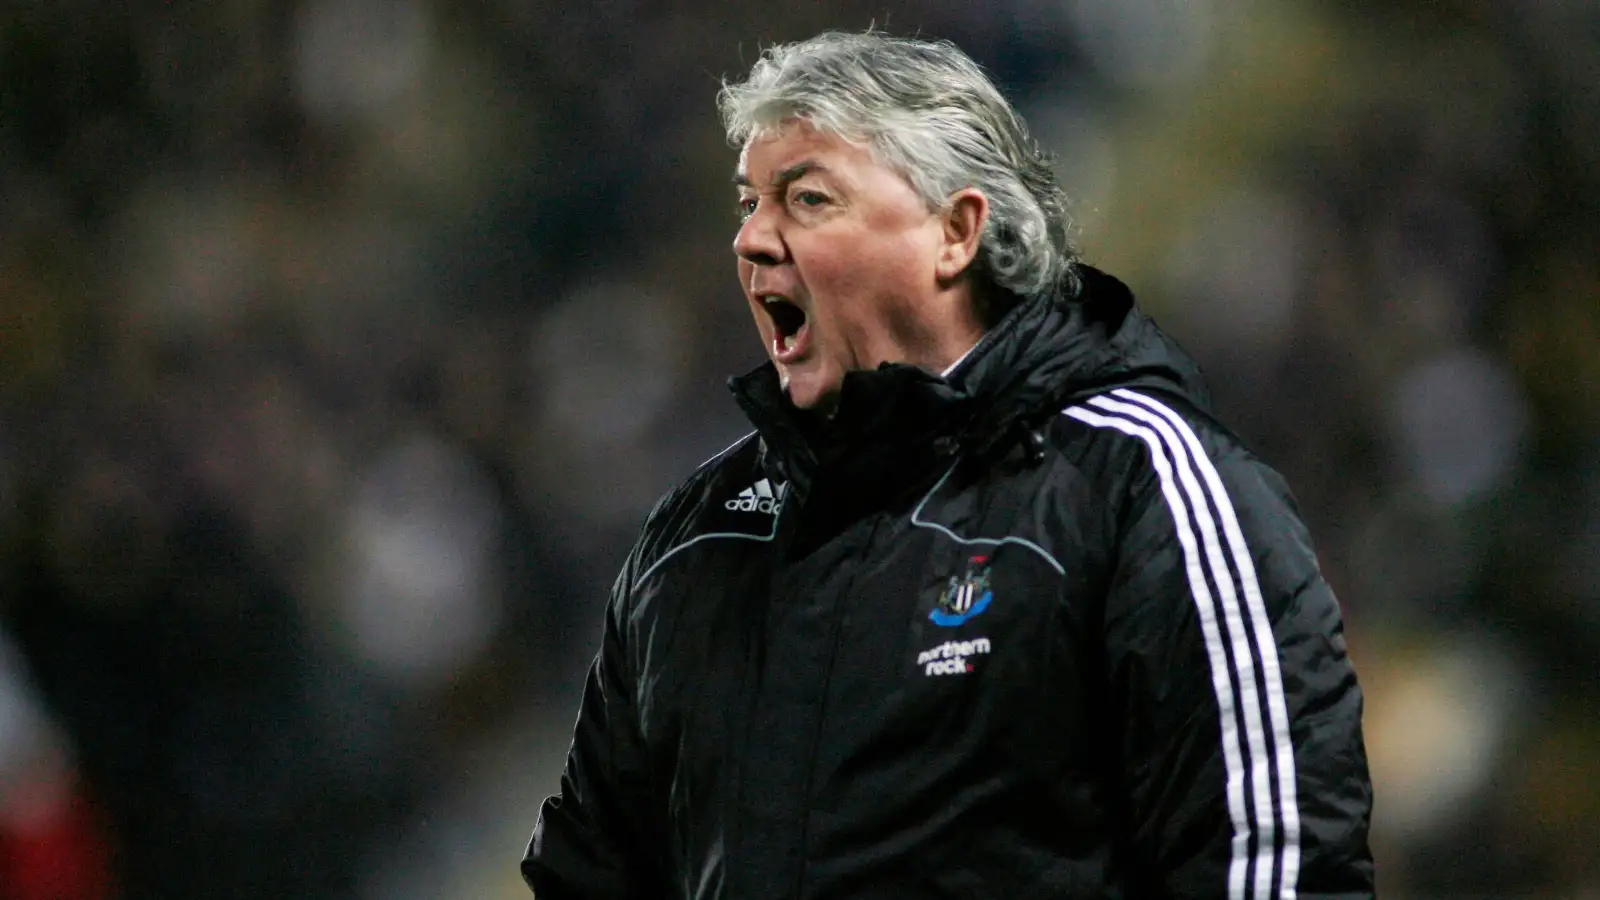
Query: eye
(809, 198)
(746, 208)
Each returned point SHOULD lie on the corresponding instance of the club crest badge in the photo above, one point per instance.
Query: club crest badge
(964, 596)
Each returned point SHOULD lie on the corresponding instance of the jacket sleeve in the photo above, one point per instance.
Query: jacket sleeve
(594, 839)
(1243, 769)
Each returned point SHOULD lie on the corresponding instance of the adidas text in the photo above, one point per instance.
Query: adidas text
(762, 497)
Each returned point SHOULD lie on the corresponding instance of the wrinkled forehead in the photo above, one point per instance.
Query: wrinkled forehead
(782, 145)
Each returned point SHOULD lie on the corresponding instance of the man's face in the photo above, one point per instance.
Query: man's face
(837, 254)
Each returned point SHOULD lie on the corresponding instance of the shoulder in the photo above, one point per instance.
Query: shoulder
(1148, 424)
(726, 495)
(1151, 448)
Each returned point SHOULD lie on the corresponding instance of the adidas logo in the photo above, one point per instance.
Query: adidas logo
(763, 497)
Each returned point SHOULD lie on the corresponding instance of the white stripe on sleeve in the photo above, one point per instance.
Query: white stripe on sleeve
(1266, 645)
(1244, 668)
(1221, 675)
(1270, 752)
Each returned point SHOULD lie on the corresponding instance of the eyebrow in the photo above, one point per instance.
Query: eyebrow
(784, 176)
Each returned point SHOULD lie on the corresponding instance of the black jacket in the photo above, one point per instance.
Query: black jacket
(1041, 630)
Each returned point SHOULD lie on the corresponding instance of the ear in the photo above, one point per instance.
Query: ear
(963, 218)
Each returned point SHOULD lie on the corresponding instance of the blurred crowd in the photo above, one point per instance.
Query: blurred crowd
(344, 344)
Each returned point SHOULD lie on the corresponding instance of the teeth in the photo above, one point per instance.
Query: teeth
(787, 342)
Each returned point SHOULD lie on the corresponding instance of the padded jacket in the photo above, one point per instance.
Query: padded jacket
(1042, 628)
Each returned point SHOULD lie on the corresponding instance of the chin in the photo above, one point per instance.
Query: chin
(811, 393)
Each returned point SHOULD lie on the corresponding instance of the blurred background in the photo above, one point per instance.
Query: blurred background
(344, 344)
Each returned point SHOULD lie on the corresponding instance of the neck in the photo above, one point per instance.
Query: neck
(956, 328)
(945, 372)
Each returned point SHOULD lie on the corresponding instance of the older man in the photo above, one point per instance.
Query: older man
(988, 605)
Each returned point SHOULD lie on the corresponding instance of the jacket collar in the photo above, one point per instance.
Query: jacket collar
(898, 419)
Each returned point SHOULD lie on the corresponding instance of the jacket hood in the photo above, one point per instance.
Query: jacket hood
(1052, 351)
(1047, 352)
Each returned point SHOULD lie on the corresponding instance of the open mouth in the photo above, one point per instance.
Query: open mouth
(789, 328)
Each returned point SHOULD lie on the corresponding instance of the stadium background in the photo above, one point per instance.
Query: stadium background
(343, 344)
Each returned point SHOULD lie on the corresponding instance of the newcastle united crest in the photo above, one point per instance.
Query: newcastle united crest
(964, 596)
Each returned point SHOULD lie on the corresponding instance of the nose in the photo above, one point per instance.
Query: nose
(758, 241)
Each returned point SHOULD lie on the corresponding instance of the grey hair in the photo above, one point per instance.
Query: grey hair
(928, 112)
